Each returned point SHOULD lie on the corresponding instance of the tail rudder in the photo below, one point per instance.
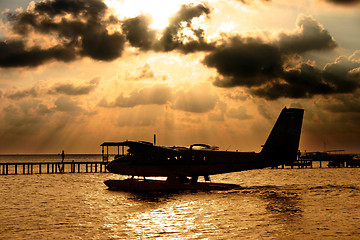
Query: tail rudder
(283, 142)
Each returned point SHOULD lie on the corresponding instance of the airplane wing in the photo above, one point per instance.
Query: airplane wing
(145, 148)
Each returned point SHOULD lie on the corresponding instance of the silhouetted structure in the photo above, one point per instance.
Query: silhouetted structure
(52, 167)
(182, 165)
(335, 158)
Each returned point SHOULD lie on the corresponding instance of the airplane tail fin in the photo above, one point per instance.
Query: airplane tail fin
(282, 145)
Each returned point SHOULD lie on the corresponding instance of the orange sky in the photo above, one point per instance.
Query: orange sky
(74, 74)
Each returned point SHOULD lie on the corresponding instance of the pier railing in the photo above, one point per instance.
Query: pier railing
(52, 167)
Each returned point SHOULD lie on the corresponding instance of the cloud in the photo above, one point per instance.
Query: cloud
(172, 39)
(144, 73)
(239, 113)
(218, 114)
(38, 91)
(66, 104)
(79, 26)
(340, 75)
(24, 118)
(253, 62)
(158, 95)
(140, 117)
(102, 46)
(344, 2)
(249, 2)
(91, 8)
(338, 2)
(199, 99)
(33, 92)
(82, 29)
(138, 33)
(267, 69)
(71, 89)
(307, 81)
(344, 104)
(13, 53)
(245, 62)
(302, 82)
(265, 112)
(309, 35)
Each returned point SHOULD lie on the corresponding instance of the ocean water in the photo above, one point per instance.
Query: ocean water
(273, 204)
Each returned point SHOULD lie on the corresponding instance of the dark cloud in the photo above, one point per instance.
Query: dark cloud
(302, 82)
(338, 2)
(340, 74)
(310, 35)
(50, 17)
(102, 46)
(344, 2)
(158, 95)
(253, 62)
(71, 89)
(266, 69)
(245, 62)
(173, 39)
(83, 34)
(138, 33)
(307, 81)
(13, 53)
(81, 28)
(89, 8)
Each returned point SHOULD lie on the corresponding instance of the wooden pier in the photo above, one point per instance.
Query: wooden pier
(333, 158)
(350, 163)
(52, 167)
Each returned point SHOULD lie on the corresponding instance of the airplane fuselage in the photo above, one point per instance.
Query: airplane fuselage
(190, 163)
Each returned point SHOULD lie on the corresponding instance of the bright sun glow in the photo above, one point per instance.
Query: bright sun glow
(160, 10)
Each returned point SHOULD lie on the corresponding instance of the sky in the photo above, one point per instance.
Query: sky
(76, 73)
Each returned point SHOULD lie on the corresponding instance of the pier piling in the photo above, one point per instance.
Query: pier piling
(52, 167)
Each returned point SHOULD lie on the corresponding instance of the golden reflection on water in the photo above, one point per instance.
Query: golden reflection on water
(206, 215)
(253, 213)
(172, 220)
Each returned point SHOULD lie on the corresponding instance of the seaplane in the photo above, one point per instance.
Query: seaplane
(181, 167)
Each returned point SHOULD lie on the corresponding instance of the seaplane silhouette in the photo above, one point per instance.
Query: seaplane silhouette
(182, 166)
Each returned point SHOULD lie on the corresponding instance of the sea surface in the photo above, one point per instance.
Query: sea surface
(317, 203)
